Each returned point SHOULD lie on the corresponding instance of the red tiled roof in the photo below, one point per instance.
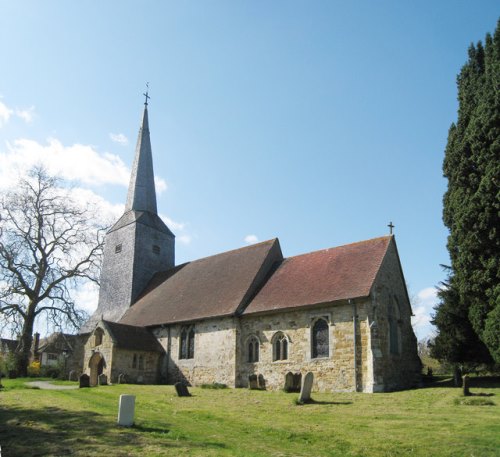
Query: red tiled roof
(322, 276)
(219, 285)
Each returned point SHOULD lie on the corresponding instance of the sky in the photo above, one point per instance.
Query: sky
(317, 122)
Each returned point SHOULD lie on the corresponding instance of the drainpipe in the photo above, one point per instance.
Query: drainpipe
(354, 322)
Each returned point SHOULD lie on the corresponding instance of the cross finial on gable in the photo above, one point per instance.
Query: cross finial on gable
(146, 94)
(391, 226)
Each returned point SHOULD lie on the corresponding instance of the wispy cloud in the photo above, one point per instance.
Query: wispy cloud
(251, 239)
(5, 113)
(423, 307)
(27, 114)
(119, 138)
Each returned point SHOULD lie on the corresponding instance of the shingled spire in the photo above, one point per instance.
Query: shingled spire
(139, 244)
(141, 192)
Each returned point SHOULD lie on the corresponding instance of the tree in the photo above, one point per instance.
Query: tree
(49, 245)
(471, 207)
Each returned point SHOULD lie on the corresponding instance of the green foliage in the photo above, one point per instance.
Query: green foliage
(471, 209)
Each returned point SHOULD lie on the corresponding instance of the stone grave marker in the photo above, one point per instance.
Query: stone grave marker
(297, 382)
(122, 378)
(288, 382)
(73, 376)
(126, 409)
(84, 380)
(465, 385)
(253, 382)
(102, 380)
(305, 392)
(181, 389)
(261, 382)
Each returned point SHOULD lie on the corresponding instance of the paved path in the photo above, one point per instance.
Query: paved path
(49, 386)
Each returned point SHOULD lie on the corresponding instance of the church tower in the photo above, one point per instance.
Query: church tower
(139, 244)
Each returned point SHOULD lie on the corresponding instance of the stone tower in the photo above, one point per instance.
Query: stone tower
(139, 244)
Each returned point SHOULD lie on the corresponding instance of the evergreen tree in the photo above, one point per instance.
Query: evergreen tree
(472, 204)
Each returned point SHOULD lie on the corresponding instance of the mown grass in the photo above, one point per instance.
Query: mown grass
(240, 422)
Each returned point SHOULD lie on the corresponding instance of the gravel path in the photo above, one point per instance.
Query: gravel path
(49, 386)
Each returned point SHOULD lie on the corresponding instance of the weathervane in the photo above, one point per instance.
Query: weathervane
(146, 94)
(391, 226)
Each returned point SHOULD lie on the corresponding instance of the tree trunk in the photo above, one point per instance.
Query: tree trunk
(23, 350)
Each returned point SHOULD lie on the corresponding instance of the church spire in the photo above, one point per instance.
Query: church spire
(141, 192)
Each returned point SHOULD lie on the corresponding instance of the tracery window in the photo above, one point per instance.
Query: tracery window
(320, 339)
(253, 349)
(186, 350)
(280, 347)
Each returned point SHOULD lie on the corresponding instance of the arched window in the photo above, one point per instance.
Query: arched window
(280, 347)
(320, 339)
(134, 361)
(141, 362)
(186, 349)
(253, 349)
(98, 334)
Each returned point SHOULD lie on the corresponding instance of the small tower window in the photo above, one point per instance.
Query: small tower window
(156, 249)
(98, 334)
(118, 248)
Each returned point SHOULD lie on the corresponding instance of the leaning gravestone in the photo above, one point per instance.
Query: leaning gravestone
(181, 389)
(126, 409)
(288, 382)
(122, 378)
(102, 380)
(253, 382)
(84, 380)
(305, 392)
(261, 382)
(73, 376)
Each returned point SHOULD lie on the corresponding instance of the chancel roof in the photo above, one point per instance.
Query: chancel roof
(256, 279)
(322, 276)
(218, 285)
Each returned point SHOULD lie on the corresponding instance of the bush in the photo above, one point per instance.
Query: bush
(51, 371)
(34, 369)
(214, 385)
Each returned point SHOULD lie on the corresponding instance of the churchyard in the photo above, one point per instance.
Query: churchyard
(433, 421)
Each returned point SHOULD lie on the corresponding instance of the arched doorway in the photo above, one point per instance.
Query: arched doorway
(96, 365)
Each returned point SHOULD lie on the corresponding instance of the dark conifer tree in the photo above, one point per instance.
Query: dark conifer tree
(472, 205)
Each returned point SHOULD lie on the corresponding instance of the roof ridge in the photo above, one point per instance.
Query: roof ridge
(340, 246)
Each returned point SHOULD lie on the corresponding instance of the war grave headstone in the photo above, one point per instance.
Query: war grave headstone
(126, 409)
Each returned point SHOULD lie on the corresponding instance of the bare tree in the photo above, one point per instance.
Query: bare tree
(49, 245)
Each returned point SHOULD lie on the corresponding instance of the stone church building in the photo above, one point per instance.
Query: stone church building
(342, 313)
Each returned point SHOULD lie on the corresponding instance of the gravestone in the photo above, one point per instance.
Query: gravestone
(73, 376)
(288, 382)
(253, 382)
(297, 382)
(122, 378)
(465, 385)
(102, 380)
(84, 380)
(305, 391)
(181, 389)
(261, 382)
(126, 410)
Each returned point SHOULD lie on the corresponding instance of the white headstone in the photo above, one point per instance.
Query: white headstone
(126, 410)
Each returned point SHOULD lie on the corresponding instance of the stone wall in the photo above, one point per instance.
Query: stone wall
(145, 373)
(400, 368)
(214, 353)
(332, 373)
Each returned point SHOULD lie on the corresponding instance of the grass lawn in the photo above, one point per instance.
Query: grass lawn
(238, 422)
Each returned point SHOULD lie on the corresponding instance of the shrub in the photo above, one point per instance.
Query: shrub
(214, 385)
(34, 369)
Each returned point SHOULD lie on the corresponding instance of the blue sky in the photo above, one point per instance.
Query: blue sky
(315, 122)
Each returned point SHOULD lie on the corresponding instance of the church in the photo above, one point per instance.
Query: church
(342, 313)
